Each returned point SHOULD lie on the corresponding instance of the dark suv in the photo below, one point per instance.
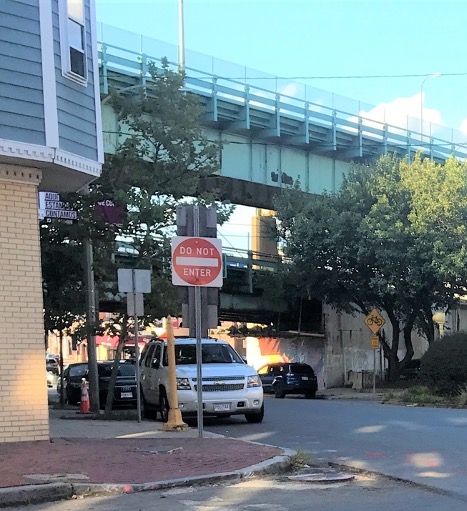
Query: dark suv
(289, 378)
(125, 386)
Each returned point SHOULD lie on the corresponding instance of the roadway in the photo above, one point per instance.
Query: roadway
(423, 445)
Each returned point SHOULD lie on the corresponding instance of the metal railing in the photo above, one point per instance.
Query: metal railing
(128, 55)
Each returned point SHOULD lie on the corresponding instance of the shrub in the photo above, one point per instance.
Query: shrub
(444, 366)
(421, 395)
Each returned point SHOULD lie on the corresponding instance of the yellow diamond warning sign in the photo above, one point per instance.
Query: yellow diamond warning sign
(374, 321)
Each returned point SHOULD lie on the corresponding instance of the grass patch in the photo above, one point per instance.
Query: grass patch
(300, 459)
(422, 395)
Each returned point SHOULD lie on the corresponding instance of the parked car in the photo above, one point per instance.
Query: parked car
(230, 387)
(125, 385)
(72, 378)
(52, 363)
(289, 378)
(52, 378)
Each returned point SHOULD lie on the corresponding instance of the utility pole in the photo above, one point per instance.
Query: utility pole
(91, 321)
(181, 38)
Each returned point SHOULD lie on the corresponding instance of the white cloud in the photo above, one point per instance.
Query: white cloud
(401, 114)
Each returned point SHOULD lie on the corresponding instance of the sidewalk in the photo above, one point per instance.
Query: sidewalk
(350, 393)
(87, 456)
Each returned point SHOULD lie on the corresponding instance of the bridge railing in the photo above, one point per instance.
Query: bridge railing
(129, 54)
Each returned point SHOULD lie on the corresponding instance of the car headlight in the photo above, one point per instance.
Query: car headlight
(253, 381)
(183, 384)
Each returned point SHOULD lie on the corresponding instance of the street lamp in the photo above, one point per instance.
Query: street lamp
(436, 75)
(181, 38)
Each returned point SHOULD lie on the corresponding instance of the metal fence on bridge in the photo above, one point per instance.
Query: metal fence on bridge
(329, 118)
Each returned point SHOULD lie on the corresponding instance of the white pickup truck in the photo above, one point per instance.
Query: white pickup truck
(230, 386)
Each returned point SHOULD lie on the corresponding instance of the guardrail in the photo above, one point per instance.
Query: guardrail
(345, 121)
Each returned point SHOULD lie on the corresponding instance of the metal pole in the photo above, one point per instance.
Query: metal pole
(174, 421)
(91, 320)
(199, 353)
(138, 394)
(181, 36)
(374, 371)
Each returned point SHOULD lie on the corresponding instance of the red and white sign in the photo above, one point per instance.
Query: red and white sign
(196, 261)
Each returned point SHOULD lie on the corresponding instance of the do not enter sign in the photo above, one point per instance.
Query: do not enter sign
(196, 261)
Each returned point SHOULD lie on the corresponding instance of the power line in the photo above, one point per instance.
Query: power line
(336, 77)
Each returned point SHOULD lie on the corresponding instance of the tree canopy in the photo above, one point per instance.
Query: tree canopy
(393, 237)
(160, 154)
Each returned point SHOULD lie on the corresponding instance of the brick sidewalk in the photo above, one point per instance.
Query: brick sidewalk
(128, 460)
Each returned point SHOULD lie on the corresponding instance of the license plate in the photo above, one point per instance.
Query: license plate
(304, 377)
(222, 407)
(126, 395)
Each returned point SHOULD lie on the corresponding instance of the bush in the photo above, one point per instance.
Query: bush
(444, 366)
(421, 395)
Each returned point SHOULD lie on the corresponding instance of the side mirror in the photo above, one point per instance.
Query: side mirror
(245, 360)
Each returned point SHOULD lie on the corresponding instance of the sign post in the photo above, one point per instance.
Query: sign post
(197, 262)
(135, 283)
(374, 321)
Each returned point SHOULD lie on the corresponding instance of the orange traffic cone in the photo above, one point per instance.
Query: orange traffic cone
(84, 405)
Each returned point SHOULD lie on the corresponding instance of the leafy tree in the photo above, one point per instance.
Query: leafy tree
(62, 273)
(385, 241)
(160, 155)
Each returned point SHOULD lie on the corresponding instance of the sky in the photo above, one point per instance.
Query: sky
(403, 42)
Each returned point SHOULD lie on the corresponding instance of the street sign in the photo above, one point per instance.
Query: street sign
(374, 321)
(134, 281)
(50, 206)
(374, 342)
(196, 261)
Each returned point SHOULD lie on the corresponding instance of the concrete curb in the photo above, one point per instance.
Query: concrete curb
(38, 493)
(35, 494)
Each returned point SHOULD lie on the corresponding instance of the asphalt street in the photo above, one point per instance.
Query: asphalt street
(423, 445)
(271, 494)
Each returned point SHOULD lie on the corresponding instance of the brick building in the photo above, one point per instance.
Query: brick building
(50, 140)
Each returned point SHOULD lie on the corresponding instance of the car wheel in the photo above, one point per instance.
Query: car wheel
(310, 395)
(164, 406)
(255, 418)
(279, 392)
(148, 412)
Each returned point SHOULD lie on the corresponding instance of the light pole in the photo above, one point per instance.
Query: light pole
(181, 38)
(436, 75)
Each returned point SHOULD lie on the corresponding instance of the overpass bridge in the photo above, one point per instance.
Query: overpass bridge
(247, 295)
(275, 134)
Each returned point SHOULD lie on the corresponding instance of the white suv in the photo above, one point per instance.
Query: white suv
(230, 386)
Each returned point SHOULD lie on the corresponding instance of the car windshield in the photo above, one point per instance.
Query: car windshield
(211, 354)
(78, 370)
(301, 369)
(105, 370)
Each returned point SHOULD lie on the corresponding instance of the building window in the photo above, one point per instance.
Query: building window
(73, 40)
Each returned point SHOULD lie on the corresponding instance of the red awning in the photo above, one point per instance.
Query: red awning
(109, 341)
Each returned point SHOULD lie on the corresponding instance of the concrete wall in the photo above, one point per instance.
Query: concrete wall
(23, 391)
(307, 349)
(348, 347)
